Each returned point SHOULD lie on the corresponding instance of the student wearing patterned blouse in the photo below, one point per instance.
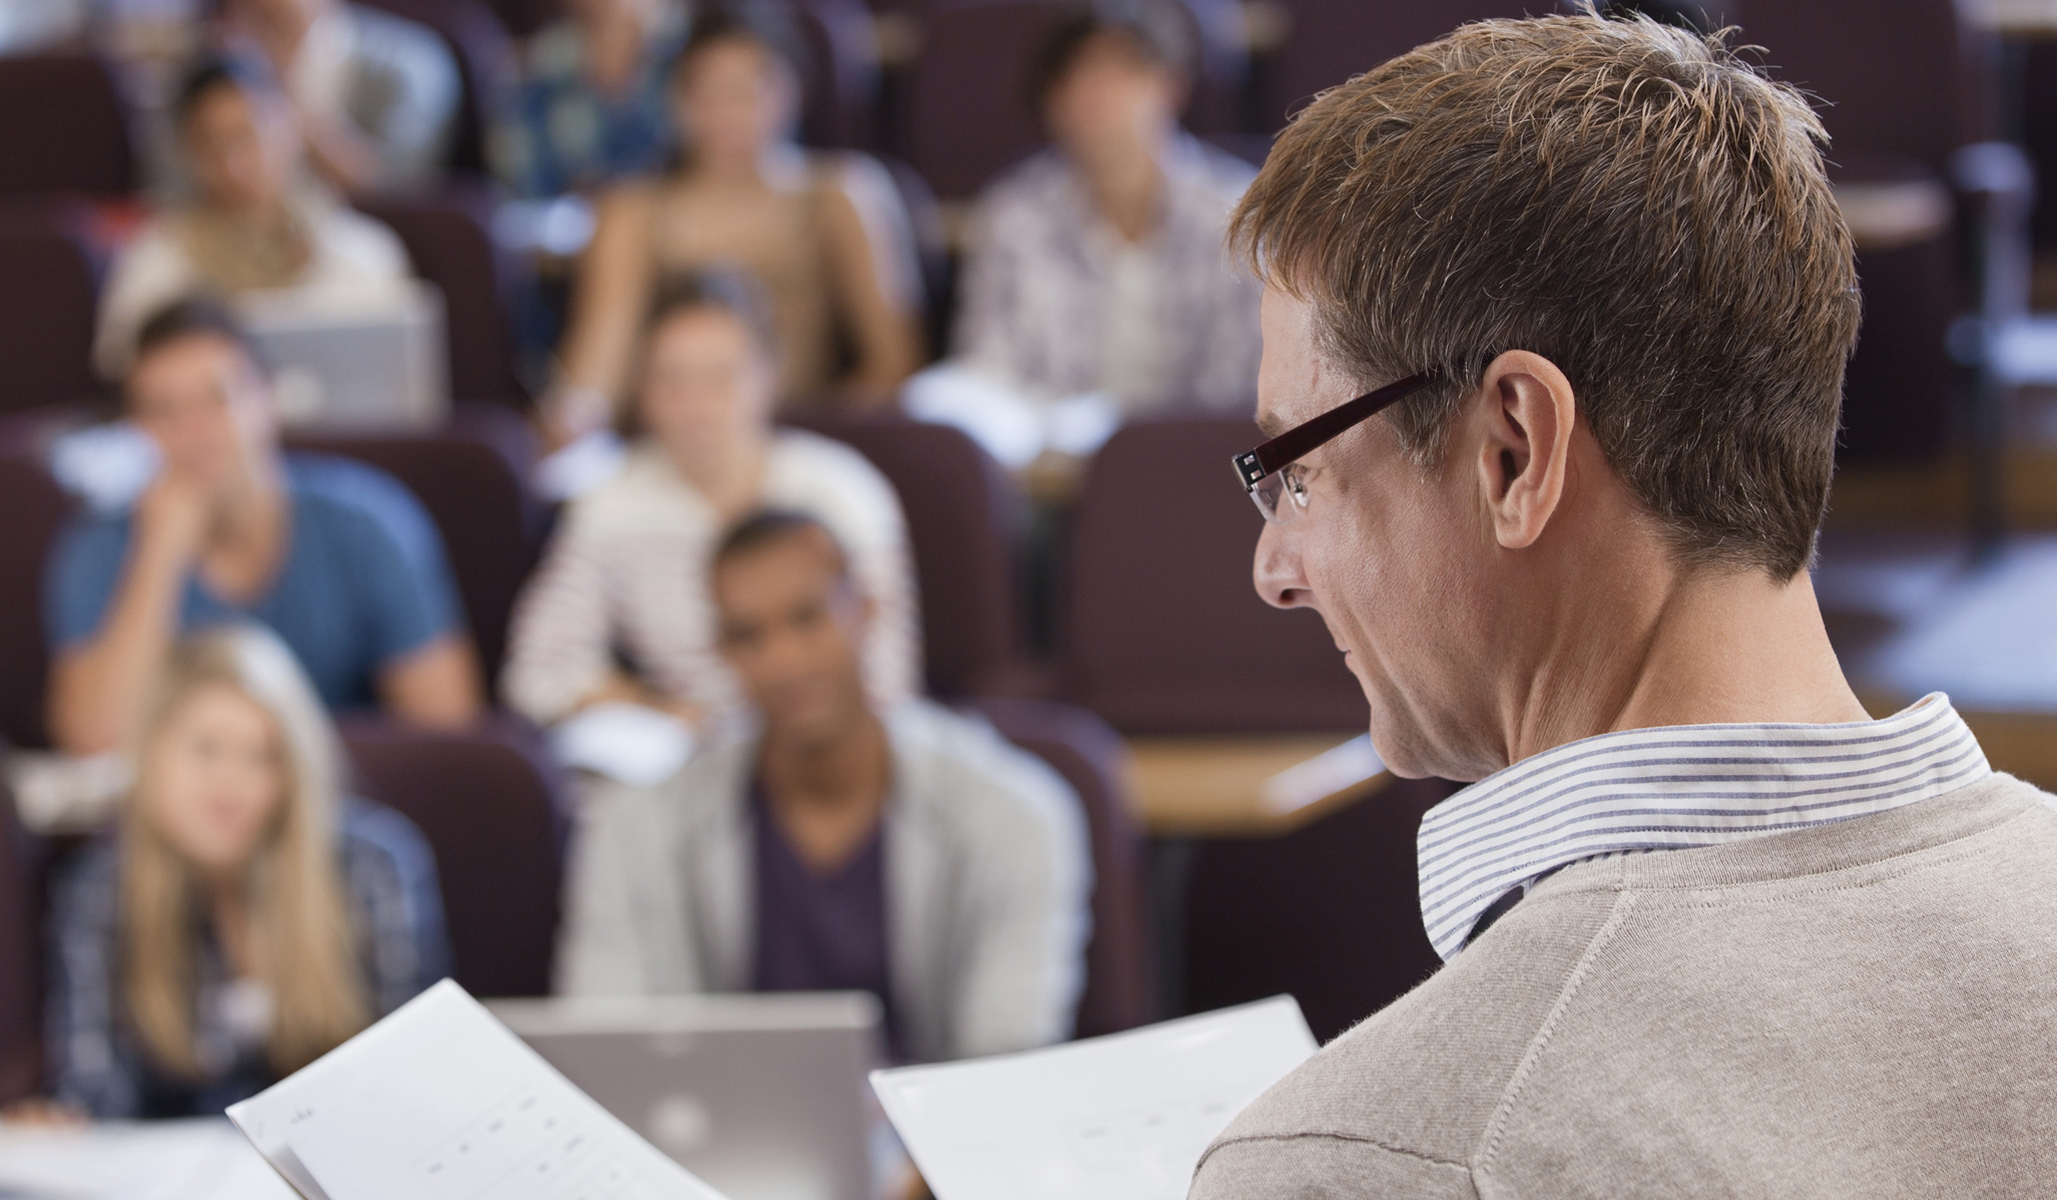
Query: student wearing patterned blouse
(592, 104)
(244, 917)
(1096, 266)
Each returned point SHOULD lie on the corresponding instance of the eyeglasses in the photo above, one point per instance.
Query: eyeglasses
(1273, 469)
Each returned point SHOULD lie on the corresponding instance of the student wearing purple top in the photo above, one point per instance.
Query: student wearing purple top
(833, 844)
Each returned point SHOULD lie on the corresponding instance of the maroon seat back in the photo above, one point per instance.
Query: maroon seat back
(47, 301)
(21, 960)
(524, 17)
(35, 510)
(477, 38)
(1079, 746)
(1330, 913)
(1915, 86)
(1897, 97)
(487, 519)
(961, 518)
(840, 105)
(447, 241)
(63, 127)
(488, 802)
(1162, 631)
(1332, 40)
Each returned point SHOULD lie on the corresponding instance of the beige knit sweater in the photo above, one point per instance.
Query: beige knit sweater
(1866, 1009)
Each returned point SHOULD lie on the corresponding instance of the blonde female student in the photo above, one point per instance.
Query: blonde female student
(243, 917)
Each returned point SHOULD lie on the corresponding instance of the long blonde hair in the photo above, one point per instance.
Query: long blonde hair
(301, 937)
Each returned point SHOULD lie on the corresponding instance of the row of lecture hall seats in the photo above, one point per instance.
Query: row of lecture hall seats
(489, 803)
(1162, 632)
(1163, 636)
(1907, 96)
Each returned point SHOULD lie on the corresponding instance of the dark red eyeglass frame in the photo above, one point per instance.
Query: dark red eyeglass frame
(1303, 439)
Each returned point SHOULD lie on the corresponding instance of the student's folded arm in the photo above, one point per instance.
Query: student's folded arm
(885, 328)
(436, 685)
(113, 618)
(558, 641)
(427, 671)
(608, 297)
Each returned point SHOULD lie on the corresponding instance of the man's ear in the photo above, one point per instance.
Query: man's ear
(1525, 421)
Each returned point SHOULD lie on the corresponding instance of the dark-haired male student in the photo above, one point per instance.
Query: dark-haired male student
(828, 843)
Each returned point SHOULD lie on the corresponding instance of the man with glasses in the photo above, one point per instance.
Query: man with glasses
(1710, 929)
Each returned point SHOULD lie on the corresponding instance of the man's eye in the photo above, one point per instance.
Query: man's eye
(1297, 486)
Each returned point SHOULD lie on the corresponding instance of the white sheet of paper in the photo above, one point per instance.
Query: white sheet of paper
(440, 1101)
(203, 1159)
(632, 743)
(1122, 1117)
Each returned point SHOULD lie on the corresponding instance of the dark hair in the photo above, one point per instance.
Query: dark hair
(1628, 199)
(214, 72)
(724, 290)
(769, 26)
(770, 527)
(191, 317)
(1155, 31)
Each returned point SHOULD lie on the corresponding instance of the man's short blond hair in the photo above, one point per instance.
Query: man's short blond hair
(1628, 199)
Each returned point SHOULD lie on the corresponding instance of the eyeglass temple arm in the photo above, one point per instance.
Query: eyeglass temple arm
(1301, 440)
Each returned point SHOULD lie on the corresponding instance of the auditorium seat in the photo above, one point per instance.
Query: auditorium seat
(35, 510)
(1161, 631)
(447, 241)
(1897, 97)
(962, 518)
(21, 958)
(47, 301)
(1330, 913)
(1332, 40)
(486, 69)
(1079, 746)
(490, 524)
(840, 107)
(63, 128)
(967, 115)
(488, 802)
(524, 17)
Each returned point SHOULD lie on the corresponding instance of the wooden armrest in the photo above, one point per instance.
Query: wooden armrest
(1887, 216)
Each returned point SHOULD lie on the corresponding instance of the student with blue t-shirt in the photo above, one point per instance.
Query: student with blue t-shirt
(336, 558)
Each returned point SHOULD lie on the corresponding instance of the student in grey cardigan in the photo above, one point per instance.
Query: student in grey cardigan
(1711, 930)
(909, 852)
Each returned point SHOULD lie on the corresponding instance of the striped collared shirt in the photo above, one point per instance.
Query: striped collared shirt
(1672, 788)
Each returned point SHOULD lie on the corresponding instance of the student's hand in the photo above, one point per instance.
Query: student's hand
(44, 1112)
(171, 520)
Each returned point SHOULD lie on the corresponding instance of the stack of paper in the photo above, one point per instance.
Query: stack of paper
(439, 1101)
(129, 1160)
(1124, 1117)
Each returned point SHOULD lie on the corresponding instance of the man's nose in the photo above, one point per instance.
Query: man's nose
(1276, 570)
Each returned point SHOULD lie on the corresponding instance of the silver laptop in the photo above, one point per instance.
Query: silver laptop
(762, 1096)
(378, 368)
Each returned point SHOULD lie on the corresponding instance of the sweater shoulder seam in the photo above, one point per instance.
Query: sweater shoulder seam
(1496, 1125)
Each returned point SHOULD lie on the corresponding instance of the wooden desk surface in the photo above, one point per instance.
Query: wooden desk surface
(1215, 786)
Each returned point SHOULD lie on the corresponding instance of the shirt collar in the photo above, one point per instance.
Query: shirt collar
(1676, 787)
